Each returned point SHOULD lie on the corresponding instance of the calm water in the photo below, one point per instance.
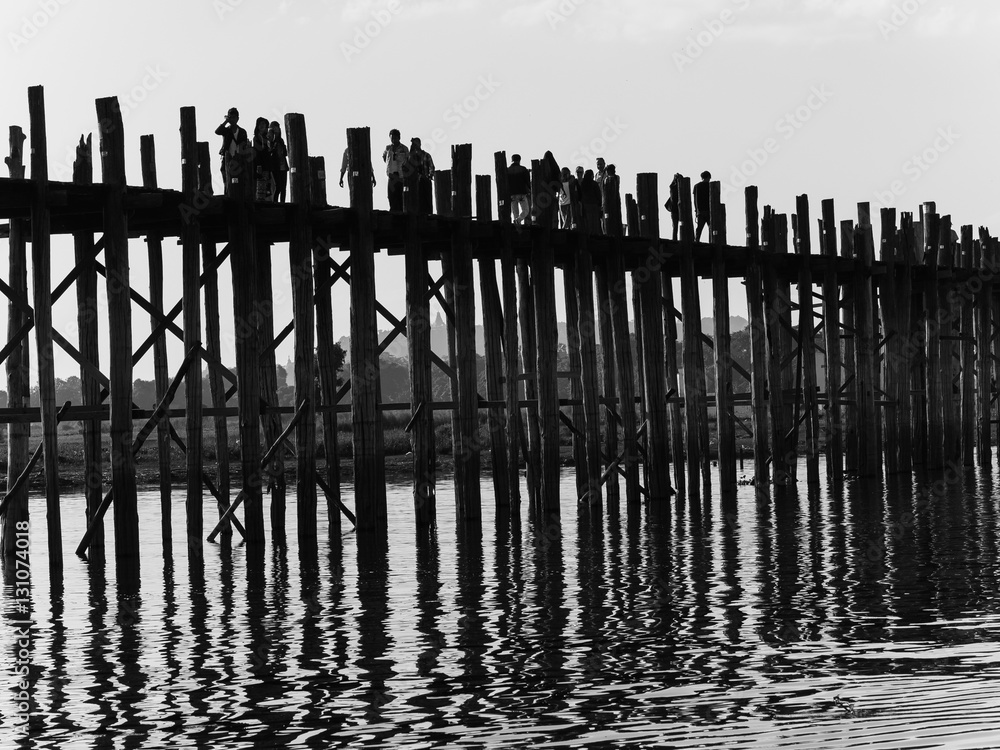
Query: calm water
(863, 617)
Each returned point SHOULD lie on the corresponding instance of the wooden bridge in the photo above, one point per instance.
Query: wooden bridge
(908, 339)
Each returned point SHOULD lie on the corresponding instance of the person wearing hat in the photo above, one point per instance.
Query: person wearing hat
(702, 203)
(234, 141)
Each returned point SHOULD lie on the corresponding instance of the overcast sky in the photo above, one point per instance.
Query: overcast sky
(891, 102)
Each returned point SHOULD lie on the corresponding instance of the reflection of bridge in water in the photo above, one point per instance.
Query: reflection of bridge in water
(908, 340)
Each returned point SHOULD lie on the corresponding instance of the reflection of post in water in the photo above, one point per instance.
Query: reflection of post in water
(56, 661)
(96, 653)
(551, 613)
(200, 631)
(374, 664)
(472, 638)
(867, 546)
(171, 637)
(134, 681)
(432, 640)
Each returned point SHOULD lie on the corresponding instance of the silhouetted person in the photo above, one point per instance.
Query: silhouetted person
(611, 203)
(702, 203)
(345, 168)
(278, 153)
(550, 185)
(590, 200)
(673, 204)
(394, 156)
(422, 163)
(519, 185)
(261, 161)
(234, 141)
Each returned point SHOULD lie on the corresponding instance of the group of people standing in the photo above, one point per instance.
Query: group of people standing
(403, 164)
(587, 199)
(267, 151)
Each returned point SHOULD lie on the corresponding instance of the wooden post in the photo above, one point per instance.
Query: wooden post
(418, 344)
(42, 299)
(511, 370)
(637, 276)
(864, 321)
(907, 419)
(467, 446)
(191, 271)
(724, 416)
(154, 249)
(269, 416)
(529, 351)
(894, 376)
(369, 453)
(968, 353)
(608, 379)
(493, 324)
(303, 311)
(658, 465)
(617, 302)
(546, 333)
(18, 375)
(671, 367)
(246, 320)
(984, 338)
(834, 422)
(587, 330)
(934, 383)
(850, 415)
(695, 400)
(949, 330)
(112, 144)
(577, 411)
(807, 348)
(213, 342)
(776, 305)
(758, 341)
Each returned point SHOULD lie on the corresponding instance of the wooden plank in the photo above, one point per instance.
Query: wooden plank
(41, 275)
(493, 326)
(301, 268)
(467, 444)
(112, 145)
(834, 422)
(657, 460)
(366, 418)
(724, 415)
(161, 376)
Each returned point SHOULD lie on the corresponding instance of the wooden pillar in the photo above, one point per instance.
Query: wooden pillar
(671, 368)
(637, 276)
(984, 338)
(893, 374)
(112, 144)
(467, 446)
(850, 369)
(270, 418)
(42, 301)
(366, 418)
(776, 305)
(161, 376)
(865, 355)
(18, 375)
(695, 400)
(246, 316)
(587, 331)
(191, 272)
(724, 416)
(934, 383)
(758, 341)
(608, 379)
(213, 342)
(493, 324)
(624, 376)
(301, 267)
(546, 334)
(909, 434)
(511, 370)
(418, 347)
(648, 278)
(968, 349)
(834, 422)
(807, 348)
(949, 330)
